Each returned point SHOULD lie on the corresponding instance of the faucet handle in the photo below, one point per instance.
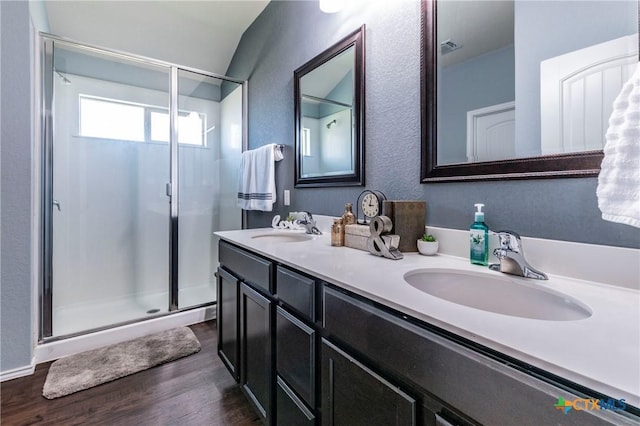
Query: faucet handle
(509, 240)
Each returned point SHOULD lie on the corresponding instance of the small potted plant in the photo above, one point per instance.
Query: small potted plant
(428, 245)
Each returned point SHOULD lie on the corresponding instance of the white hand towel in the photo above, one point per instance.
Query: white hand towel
(619, 180)
(256, 180)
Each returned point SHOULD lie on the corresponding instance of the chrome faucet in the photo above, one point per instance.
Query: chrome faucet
(309, 224)
(512, 259)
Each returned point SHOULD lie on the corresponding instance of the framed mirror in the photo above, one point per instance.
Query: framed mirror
(520, 89)
(329, 116)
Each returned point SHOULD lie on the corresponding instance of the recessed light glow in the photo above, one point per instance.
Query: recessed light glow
(331, 6)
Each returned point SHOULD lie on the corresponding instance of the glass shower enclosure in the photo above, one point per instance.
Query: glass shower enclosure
(140, 161)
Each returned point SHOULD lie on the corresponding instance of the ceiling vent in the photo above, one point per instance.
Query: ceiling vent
(448, 46)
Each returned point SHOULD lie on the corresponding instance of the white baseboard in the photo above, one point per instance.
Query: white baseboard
(27, 370)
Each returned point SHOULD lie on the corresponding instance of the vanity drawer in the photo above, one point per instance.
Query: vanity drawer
(247, 266)
(296, 355)
(296, 291)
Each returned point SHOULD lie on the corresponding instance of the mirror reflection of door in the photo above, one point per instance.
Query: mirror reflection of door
(327, 117)
(561, 62)
(491, 132)
(577, 90)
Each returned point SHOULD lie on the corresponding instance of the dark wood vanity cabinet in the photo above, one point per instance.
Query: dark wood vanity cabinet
(296, 347)
(268, 336)
(245, 313)
(306, 352)
(452, 382)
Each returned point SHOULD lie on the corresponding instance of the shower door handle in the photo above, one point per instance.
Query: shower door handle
(57, 204)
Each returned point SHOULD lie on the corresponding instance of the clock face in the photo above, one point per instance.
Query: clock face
(370, 205)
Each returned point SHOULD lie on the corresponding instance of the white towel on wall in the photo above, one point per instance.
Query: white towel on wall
(619, 180)
(256, 179)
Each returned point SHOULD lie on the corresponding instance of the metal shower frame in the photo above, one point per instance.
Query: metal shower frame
(46, 71)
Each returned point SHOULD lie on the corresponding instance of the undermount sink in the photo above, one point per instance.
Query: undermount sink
(498, 294)
(284, 237)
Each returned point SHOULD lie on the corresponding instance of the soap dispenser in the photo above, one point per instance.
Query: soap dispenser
(479, 238)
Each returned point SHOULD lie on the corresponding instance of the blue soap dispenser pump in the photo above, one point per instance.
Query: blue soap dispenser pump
(479, 238)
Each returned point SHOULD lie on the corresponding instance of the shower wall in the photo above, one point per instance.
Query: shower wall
(198, 202)
(228, 162)
(204, 193)
(112, 203)
(204, 189)
(328, 152)
(207, 199)
(111, 242)
(336, 155)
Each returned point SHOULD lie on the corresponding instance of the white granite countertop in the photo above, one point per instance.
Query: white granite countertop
(601, 352)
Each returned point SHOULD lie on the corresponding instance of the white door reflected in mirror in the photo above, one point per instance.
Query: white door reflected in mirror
(561, 63)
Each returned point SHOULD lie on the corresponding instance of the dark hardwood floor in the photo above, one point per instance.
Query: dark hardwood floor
(196, 390)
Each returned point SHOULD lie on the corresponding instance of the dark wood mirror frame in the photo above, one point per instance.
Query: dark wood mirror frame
(580, 164)
(356, 178)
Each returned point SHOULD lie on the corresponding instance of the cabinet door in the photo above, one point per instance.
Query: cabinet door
(354, 395)
(296, 355)
(291, 411)
(227, 322)
(256, 348)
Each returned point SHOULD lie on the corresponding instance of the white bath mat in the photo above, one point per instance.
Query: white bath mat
(87, 369)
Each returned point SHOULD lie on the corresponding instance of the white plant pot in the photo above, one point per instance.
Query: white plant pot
(428, 248)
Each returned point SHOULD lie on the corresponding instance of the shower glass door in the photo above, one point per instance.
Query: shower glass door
(109, 165)
(209, 150)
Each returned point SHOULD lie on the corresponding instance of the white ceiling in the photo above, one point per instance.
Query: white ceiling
(204, 34)
(199, 34)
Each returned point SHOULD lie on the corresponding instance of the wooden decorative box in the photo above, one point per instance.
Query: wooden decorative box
(409, 219)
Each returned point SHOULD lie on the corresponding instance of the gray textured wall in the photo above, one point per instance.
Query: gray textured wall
(289, 33)
(15, 224)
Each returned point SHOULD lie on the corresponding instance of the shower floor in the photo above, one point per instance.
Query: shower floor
(78, 318)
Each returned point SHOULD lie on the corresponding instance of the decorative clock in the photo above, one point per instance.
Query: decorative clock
(370, 203)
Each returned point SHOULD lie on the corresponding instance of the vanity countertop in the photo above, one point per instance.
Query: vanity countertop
(601, 352)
